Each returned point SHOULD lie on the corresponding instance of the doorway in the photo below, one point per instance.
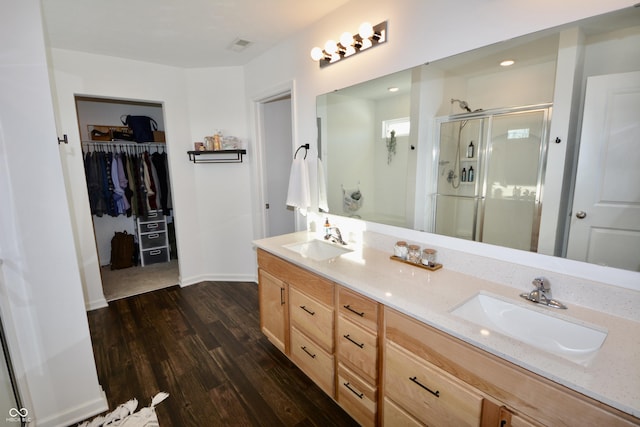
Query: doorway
(276, 139)
(129, 194)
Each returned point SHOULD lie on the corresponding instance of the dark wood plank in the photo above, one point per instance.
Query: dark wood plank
(202, 344)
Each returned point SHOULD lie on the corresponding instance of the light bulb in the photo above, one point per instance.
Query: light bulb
(365, 30)
(330, 46)
(316, 54)
(346, 39)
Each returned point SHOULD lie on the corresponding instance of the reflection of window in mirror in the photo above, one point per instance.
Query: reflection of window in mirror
(401, 126)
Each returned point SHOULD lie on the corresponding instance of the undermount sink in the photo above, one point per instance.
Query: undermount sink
(568, 339)
(318, 250)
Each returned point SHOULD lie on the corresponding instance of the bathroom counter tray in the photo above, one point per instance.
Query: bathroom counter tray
(435, 267)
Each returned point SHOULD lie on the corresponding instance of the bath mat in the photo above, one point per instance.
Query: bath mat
(125, 415)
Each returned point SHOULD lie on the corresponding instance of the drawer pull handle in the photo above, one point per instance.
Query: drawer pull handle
(153, 225)
(355, 342)
(156, 252)
(348, 307)
(435, 393)
(153, 236)
(360, 395)
(503, 423)
(313, 356)
(281, 296)
(307, 310)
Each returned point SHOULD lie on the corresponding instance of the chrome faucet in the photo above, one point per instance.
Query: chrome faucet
(333, 234)
(542, 294)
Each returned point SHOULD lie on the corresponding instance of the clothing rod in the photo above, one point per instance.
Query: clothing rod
(124, 144)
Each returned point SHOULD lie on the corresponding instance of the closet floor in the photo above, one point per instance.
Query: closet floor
(117, 284)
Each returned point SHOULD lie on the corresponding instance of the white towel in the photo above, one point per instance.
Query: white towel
(299, 194)
(323, 204)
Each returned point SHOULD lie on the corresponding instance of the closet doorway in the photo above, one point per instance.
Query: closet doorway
(129, 190)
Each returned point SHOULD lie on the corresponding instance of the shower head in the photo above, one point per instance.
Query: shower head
(462, 104)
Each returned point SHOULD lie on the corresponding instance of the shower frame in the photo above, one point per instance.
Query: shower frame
(484, 149)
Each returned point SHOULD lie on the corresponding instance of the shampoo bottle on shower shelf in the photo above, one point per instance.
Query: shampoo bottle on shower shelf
(470, 175)
(470, 150)
(463, 175)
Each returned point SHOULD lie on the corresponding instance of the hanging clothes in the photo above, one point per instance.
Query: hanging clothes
(126, 183)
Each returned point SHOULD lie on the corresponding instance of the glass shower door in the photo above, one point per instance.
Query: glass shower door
(516, 149)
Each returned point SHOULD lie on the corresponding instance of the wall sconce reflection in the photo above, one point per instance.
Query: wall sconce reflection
(348, 44)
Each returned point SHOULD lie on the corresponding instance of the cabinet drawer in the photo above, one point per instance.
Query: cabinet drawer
(428, 393)
(152, 227)
(356, 396)
(358, 308)
(153, 240)
(154, 256)
(394, 416)
(357, 348)
(312, 317)
(309, 283)
(313, 361)
(152, 216)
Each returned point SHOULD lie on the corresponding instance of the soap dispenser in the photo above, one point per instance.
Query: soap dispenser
(327, 226)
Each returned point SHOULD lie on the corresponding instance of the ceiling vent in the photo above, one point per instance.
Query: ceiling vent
(238, 45)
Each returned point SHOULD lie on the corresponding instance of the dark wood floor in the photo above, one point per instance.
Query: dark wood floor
(203, 345)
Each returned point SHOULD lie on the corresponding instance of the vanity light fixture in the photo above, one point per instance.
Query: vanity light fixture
(507, 63)
(348, 44)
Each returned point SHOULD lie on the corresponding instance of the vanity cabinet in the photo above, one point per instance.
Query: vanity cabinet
(509, 394)
(297, 316)
(357, 355)
(386, 368)
(273, 310)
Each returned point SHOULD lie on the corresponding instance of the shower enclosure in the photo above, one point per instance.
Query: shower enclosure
(490, 166)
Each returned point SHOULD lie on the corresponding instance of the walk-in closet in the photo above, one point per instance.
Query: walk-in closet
(129, 189)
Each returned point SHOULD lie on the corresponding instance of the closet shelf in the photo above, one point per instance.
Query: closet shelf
(217, 156)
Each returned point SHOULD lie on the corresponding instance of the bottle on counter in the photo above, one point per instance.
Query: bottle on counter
(401, 249)
(429, 257)
(414, 254)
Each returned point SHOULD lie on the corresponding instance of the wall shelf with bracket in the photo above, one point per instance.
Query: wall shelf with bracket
(217, 156)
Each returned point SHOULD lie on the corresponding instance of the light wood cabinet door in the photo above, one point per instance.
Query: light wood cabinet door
(428, 393)
(511, 419)
(272, 298)
(395, 416)
(357, 308)
(313, 360)
(311, 317)
(357, 348)
(356, 396)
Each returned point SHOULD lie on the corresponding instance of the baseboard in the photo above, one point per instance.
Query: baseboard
(217, 278)
(75, 415)
(96, 304)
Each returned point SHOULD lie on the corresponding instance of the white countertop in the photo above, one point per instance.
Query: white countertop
(612, 376)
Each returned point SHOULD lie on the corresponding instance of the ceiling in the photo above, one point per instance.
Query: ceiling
(185, 33)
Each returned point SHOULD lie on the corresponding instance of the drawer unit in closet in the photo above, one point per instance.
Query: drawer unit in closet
(153, 241)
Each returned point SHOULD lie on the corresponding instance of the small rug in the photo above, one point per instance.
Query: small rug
(125, 415)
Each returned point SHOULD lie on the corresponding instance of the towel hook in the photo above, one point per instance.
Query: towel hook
(306, 150)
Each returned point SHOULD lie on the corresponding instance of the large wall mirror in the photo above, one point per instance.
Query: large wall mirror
(541, 155)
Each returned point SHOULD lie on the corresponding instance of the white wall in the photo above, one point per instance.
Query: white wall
(40, 286)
